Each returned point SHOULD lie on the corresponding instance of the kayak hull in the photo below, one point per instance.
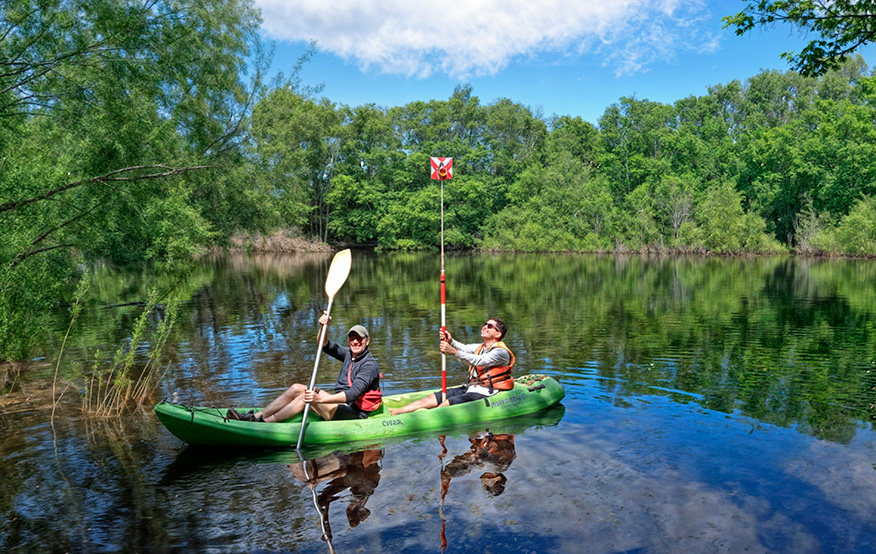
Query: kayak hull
(206, 426)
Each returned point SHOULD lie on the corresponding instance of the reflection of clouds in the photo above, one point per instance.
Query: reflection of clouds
(576, 491)
(588, 493)
(844, 474)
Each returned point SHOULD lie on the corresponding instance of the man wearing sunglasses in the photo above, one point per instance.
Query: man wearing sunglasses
(357, 390)
(490, 364)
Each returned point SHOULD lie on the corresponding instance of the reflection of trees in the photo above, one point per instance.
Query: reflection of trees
(85, 488)
(787, 341)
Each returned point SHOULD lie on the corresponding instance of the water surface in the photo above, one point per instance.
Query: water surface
(713, 405)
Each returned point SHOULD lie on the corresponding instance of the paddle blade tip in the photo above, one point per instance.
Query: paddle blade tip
(338, 271)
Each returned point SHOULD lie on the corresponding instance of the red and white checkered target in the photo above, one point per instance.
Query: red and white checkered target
(442, 168)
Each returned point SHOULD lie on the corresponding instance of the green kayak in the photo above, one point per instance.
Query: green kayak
(204, 426)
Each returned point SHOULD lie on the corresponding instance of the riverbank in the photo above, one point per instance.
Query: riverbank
(283, 240)
(286, 241)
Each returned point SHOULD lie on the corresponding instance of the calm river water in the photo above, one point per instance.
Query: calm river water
(713, 405)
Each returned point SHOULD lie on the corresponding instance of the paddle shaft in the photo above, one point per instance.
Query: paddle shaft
(322, 333)
(337, 275)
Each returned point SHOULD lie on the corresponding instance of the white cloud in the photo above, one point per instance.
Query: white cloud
(463, 38)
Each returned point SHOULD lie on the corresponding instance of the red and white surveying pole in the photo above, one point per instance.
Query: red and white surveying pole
(442, 169)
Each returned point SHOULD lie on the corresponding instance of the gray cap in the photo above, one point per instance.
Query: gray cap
(359, 330)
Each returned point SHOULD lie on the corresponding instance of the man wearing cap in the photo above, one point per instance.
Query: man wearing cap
(357, 390)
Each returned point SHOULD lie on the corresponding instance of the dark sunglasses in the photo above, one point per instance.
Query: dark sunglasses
(489, 325)
(356, 338)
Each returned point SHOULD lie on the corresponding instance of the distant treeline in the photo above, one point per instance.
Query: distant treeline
(134, 133)
(777, 162)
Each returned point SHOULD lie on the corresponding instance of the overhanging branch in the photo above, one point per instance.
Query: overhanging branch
(119, 175)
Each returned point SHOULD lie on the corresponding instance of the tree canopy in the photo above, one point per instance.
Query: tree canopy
(135, 133)
(842, 26)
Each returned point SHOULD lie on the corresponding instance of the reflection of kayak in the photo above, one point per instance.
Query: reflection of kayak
(209, 426)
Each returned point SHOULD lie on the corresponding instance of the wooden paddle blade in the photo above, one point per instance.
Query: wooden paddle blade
(338, 272)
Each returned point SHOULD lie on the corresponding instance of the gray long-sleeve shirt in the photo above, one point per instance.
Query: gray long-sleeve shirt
(494, 358)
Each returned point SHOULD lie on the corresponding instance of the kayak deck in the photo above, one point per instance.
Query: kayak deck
(208, 426)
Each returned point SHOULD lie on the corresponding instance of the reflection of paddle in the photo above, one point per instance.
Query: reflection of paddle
(323, 515)
(337, 275)
(444, 487)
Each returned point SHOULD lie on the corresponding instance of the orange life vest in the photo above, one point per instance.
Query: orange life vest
(369, 401)
(498, 377)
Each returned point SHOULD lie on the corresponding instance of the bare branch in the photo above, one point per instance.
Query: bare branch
(43, 236)
(112, 176)
(23, 256)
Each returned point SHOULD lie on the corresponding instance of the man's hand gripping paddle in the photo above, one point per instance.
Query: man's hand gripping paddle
(337, 275)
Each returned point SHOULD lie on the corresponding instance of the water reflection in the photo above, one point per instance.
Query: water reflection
(357, 471)
(712, 405)
(487, 451)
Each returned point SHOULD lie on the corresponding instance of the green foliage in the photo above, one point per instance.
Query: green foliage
(856, 233)
(105, 106)
(650, 176)
(28, 295)
(562, 201)
(528, 230)
(841, 26)
(640, 224)
(167, 244)
(124, 383)
(155, 137)
(298, 144)
(723, 226)
(411, 223)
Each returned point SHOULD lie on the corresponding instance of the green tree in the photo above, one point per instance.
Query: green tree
(635, 134)
(856, 232)
(514, 137)
(841, 27)
(559, 207)
(299, 144)
(724, 227)
(108, 111)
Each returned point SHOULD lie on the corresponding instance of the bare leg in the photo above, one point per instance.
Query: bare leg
(296, 406)
(325, 411)
(282, 401)
(428, 402)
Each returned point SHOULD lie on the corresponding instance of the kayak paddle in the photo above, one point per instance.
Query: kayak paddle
(337, 275)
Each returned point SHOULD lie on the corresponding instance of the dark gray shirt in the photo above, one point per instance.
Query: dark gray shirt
(361, 371)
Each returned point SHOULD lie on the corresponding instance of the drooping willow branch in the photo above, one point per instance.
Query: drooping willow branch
(119, 175)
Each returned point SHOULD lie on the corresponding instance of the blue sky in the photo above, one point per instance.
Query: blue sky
(556, 56)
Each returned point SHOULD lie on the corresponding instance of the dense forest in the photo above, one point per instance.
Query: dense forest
(136, 133)
(775, 162)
